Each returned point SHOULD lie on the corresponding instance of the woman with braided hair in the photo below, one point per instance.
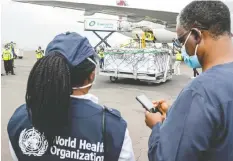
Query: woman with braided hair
(61, 120)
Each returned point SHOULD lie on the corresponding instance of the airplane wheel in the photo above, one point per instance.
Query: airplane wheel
(113, 79)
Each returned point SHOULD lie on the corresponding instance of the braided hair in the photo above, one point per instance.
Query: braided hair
(48, 92)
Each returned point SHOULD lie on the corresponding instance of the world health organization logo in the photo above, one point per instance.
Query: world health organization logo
(32, 142)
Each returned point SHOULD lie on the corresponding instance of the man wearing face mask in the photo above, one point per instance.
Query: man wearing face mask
(199, 124)
(61, 120)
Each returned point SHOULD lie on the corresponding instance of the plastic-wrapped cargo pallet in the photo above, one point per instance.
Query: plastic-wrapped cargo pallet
(146, 64)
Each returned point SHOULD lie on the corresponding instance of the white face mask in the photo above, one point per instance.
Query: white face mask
(88, 85)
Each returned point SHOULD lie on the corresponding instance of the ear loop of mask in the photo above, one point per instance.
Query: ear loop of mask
(183, 49)
(88, 85)
(187, 39)
(195, 53)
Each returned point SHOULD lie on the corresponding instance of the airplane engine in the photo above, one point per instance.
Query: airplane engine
(164, 36)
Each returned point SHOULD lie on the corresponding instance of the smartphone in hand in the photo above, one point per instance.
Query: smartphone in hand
(147, 104)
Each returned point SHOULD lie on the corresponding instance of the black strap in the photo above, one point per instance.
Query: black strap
(104, 131)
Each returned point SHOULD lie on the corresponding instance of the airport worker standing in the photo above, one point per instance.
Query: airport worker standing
(11, 62)
(39, 53)
(14, 56)
(177, 63)
(199, 124)
(101, 55)
(11, 65)
(61, 120)
(6, 56)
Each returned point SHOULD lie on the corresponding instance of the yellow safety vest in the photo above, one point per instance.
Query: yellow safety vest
(6, 55)
(39, 54)
(149, 36)
(143, 41)
(178, 56)
(101, 54)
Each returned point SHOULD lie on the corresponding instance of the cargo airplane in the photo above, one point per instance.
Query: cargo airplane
(161, 23)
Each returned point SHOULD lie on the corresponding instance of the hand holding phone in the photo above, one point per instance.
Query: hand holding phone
(162, 105)
(147, 104)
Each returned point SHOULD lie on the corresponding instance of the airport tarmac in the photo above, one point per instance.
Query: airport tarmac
(119, 95)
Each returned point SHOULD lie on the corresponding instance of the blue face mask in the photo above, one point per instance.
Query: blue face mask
(191, 61)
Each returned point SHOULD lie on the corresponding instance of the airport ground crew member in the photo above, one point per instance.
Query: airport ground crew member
(101, 55)
(6, 56)
(14, 56)
(199, 124)
(39, 53)
(61, 120)
(177, 63)
(11, 65)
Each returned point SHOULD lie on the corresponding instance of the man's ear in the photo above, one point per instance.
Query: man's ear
(197, 35)
(92, 75)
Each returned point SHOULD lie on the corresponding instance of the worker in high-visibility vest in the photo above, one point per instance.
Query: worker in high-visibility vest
(7, 58)
(178, 61)
(101, 55)
(143, 41)
(39, 53)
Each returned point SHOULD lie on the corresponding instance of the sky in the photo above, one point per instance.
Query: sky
(31, 26)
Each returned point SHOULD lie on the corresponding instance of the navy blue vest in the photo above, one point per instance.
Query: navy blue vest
(83, 139)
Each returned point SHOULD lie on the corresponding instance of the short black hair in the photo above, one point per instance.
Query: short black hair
(213, 16)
